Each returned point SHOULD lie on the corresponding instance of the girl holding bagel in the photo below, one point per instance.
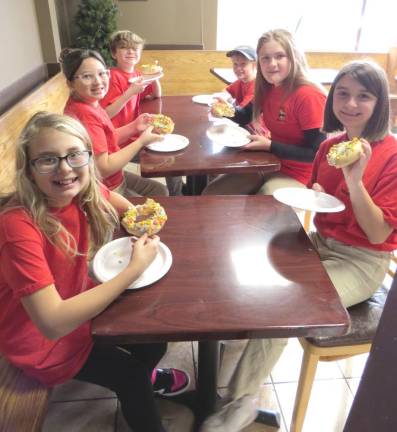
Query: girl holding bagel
(88, 79)
(49, 227)
(354, 245)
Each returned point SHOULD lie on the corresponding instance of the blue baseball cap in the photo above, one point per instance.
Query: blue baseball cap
(245, 50)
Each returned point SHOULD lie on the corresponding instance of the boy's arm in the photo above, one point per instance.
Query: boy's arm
(115, 107)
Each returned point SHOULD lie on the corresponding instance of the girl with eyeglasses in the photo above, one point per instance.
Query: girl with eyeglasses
(291, 106)
(88, 79)
(59, 215)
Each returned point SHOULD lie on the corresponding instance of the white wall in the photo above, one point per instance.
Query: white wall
(20, 47)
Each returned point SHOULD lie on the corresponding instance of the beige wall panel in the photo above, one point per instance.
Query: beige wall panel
(20, 47)
(163, 21)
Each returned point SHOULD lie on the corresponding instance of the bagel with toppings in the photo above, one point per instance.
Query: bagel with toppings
(162, 124)
(222, 109)
(345, 153)
(148, 218)
(151, 68)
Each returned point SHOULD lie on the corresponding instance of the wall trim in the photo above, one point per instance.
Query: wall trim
(173, 47)
(20, 88)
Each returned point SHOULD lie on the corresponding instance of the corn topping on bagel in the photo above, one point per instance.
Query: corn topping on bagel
(148, 218)
(345, 153)
(222, 109)
(151, 68)
(162, 124)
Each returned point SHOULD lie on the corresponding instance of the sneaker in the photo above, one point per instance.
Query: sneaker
(233, 417)
(170, 382)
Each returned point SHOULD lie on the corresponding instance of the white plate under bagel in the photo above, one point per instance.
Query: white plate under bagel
(114, 257)
(170, 143)
(228, 135)
(309, 199)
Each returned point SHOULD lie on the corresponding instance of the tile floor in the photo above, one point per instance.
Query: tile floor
(79, 407)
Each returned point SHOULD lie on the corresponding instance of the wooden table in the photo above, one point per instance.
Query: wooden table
(202, 156)
(324, 76)
(242, 268)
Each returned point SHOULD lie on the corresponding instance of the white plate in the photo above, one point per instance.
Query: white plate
(170, 143)
(228, 135)
(308, 199)
(205, 99)
(146, 79)
(112, 258)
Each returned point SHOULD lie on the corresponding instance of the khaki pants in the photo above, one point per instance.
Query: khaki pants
(249, 184)
(356, 274)
(135, 185)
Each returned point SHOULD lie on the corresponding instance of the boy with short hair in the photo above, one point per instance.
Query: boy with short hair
(126, 88)
(244, 66)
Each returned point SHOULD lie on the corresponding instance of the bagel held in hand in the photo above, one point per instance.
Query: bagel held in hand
(345, 153)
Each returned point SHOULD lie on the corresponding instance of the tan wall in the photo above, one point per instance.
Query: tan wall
(20, 48)
(163, 21)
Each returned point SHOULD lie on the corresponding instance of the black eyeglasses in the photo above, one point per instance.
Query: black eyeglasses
(49, 164)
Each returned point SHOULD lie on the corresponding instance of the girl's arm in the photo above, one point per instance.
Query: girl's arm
(302, 153)
(115, 107)
(368, 215)
(136, 127)
(56, 317)
(109, 164)
(120, 203)
(243, 115)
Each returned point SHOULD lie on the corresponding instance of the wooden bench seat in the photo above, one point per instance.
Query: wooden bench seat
(23, 401)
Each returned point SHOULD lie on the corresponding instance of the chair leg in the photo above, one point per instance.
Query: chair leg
(306, 378)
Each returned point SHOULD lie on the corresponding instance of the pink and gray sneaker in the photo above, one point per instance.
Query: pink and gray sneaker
(170, 382)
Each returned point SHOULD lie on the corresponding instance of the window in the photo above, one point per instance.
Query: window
(318, 25)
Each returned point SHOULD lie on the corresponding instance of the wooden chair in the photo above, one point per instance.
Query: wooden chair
(23, 401)
(364, 322)
(364, 319)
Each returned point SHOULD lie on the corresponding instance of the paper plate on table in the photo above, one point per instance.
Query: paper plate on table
(146, 79)
(308, 199)
(228, 135)
(170, 143)
(205, 99)
(114, 257)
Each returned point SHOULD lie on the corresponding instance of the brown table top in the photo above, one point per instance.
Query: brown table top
(201, 156)
(243, 267)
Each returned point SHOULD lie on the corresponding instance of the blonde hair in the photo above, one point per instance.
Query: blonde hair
(298, 74)
(101, 215)
(125, 39)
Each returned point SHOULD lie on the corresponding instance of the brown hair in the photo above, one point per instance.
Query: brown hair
(297, 76)
(373, 78)
(125, 39)
(71, 59)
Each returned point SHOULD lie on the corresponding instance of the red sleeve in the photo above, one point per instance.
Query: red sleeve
(98, 137)
(149, 89)
(310, 107)
(233, 89)
(114, 92)
(22, 254)
(248, 95)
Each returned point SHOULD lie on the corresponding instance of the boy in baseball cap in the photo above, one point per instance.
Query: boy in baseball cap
(243, 60)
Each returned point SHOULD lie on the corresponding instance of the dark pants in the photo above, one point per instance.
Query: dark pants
(127, 370)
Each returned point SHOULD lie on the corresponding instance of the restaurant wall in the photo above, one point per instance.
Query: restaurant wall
(20, 48)
(170, 22)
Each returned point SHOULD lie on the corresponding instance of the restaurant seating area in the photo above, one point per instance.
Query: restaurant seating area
(82, 407)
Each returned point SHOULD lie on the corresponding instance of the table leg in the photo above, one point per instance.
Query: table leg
(207, 380)
(196, 184)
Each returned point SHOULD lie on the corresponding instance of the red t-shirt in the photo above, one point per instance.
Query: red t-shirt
(28, 263)
(119, 83)
(101, 130)
(242, 92)
(287, 119)
(380, 181)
